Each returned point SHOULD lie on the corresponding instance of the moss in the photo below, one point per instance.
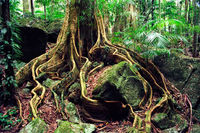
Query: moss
(159, 117)
(35, 126)
(119, 83)
(71, 110)
(68, 127)
(42, 76)
(74, 87)
(172, 119)
(177, 69)
(49, 83)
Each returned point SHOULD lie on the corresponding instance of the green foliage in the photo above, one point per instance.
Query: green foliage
(54, 9)
(15, 11)
(8, 119)
(168, 29)
(44, 2)
(6, 58)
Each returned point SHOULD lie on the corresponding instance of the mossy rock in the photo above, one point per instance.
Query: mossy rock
(119, 83)
(72, 112)
(49, 82)
(35, 126)
(74, 87)
(69, 127)
(74, 93)
(168, 121)
(178, 69)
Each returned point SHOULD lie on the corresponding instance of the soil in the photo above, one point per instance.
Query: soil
(93, 79)
(47, 110)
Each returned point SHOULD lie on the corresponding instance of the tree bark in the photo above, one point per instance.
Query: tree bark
(32, 7)
(195, 36)
(189, 11)
(25, 7)
(45, 12)
(8, 56)
(152, 11)
(132, 17)
(186, 10)
(159, 9)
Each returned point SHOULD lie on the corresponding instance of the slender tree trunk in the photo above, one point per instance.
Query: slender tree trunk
(25, 7)
(195, 36)
(52, 6)
(198, 35)
(189, 11)
(132, 17)
(152, 11)
(186, 10)
(32, 7)
(8, 87)
(45, 12)
(180, 9)
(159, 9)
(116, 26)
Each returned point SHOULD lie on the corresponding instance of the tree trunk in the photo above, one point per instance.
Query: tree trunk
(189, 11)
(7, 89)
(32, 7)
(195, 36)
(52, 6)
(180, 8)
(45, 12)
(152, 12)
(159, 9)
(132, 17)
(25, 7)
(82, 42)
(87, 28)
(186, 10)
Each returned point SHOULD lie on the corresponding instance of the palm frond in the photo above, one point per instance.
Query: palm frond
(160, 24)
(156, 39)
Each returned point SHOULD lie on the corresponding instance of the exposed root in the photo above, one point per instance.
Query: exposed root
(36, 100)
(65, 58)
(20, 108)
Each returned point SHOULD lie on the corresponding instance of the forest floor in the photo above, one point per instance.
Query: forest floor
(47, 110)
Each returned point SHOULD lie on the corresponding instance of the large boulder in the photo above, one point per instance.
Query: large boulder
(119, 83)
(184, 73)
(35, 126)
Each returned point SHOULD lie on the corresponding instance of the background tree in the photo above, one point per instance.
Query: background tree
(45, 3)
(25, 7)
(32, 7)
(195, 24)
(7, 80)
